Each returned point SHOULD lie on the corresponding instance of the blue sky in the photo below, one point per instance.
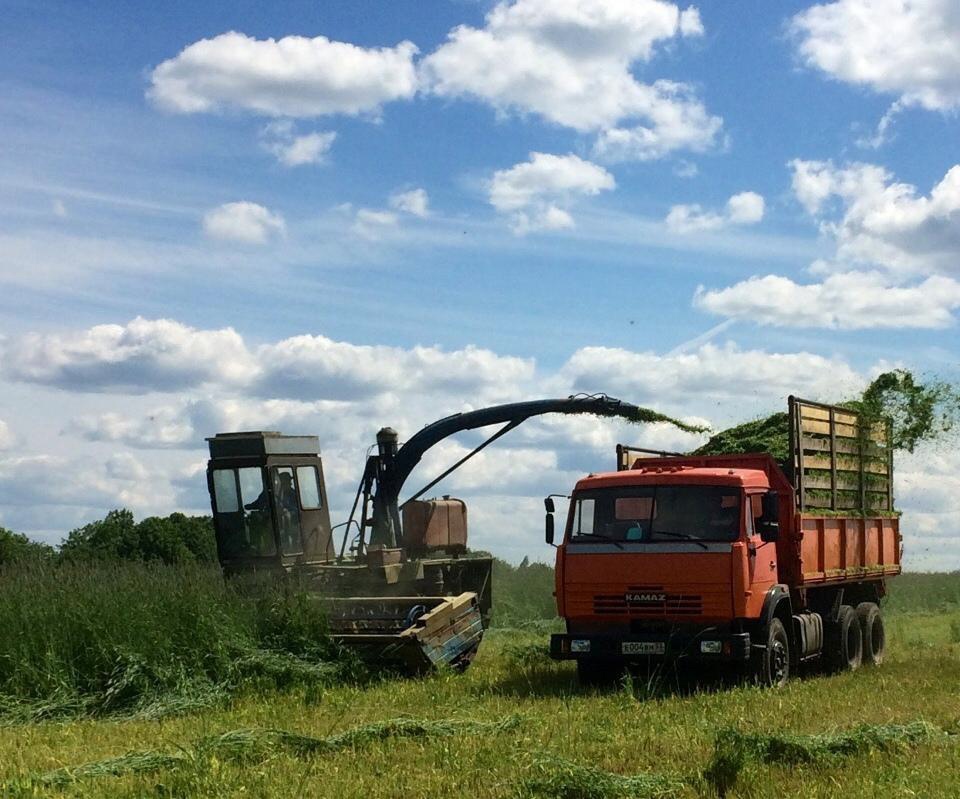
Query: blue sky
(214, 214)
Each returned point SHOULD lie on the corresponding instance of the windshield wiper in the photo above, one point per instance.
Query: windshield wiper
(684, 536)
(616, 543)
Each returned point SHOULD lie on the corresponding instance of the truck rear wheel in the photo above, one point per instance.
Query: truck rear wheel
(844, 644)
(771, 666)
(874, 636)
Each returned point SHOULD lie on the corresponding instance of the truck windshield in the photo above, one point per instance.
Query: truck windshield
(656, 513)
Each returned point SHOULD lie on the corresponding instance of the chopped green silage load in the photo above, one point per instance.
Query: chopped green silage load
(919, 412)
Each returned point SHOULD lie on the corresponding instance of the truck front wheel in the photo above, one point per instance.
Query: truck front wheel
(771, 666)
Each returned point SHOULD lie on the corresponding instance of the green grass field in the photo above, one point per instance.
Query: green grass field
(517, 724)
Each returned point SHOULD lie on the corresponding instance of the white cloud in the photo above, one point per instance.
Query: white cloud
(570, 62)
(141, 356)
(414, 202)
(696, 378)
(746, 208)
(291, 149)
(533, 192)
(6, 437)
(882, 222)
(846, 301)
(290, 77)
(244, 222)
(896, 262)
(59, 209)
(373, 224)
(910, 48)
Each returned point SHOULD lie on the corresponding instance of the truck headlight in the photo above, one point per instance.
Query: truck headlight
(711, 647)
(580, 645)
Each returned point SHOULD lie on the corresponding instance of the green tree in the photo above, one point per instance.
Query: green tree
(172, 539)
(17, 547)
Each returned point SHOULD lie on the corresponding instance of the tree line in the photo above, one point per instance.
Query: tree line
(173, 539)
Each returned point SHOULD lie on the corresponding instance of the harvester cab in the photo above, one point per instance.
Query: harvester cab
(269, 501)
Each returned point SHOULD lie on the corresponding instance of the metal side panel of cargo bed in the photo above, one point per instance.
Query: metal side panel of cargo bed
(840, 549)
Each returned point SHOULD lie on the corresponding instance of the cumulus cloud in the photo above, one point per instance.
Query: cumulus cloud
(141, 356)
(293, 149)
(534, 192)
(308, 367)
(746, 208)
(846, 301)
(294, 76)
(879, 221)
(243, 222)
(909, 49)
(571, 63)
(694, 378)
(414, 202)
(6, 437)
(896, 262)
(163, 355)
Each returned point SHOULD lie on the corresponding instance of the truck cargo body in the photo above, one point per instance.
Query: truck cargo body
(695, 557)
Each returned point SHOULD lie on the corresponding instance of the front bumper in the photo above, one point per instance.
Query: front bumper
(707, 645)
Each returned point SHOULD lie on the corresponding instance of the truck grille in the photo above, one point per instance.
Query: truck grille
(647, 601)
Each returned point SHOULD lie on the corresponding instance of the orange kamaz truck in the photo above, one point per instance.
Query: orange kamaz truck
(736, 559)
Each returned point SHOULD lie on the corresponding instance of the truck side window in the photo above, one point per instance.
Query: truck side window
(309, 484)
(583, 521)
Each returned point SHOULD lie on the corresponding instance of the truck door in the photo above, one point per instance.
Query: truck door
(761, 557)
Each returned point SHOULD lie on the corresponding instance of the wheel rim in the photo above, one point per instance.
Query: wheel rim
(778, 663)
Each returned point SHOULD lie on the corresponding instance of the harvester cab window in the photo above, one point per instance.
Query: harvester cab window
(288, 510)
(309, 483)
(243, 512)
(225, 491)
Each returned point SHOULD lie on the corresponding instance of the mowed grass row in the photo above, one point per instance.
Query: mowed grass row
(638, 729)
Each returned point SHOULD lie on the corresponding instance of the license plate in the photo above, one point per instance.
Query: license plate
(643, 648)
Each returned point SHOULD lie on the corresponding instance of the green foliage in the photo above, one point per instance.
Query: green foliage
(919, 411)
(770, 434)
(251, 746)
(15, 547)
(105, 637)
(914, 592)
(173, 539)
(556, 778)
(733, 749)
(522, 595)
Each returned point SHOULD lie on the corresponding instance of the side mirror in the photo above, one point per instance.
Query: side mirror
(769, 525)
(548, 523)
(548, 504)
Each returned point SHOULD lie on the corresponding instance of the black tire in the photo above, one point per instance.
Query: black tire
(771, 666)
(597, 673)
(874, 635)
(843, 647)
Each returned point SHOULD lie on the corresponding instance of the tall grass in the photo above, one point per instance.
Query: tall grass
(109, 637)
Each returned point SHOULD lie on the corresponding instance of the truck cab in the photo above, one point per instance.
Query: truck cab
(269, 501)
(665, 561)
